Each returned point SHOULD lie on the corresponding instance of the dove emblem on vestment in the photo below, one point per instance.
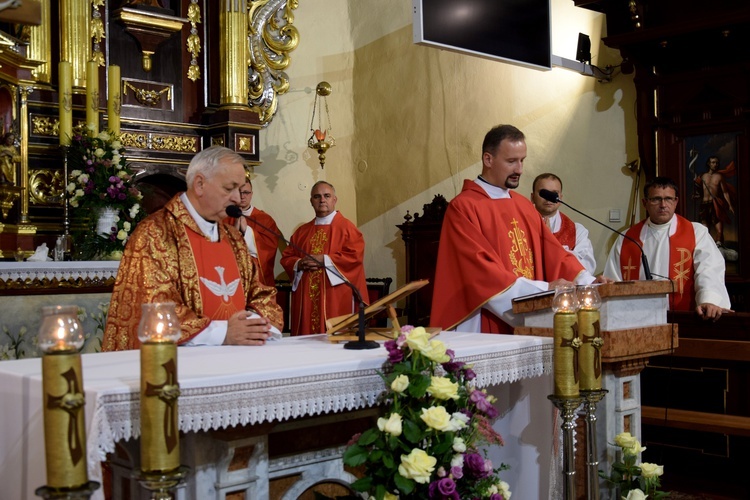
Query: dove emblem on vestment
(221, 289)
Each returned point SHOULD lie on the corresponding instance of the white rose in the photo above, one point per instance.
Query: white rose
(126, 226)
(122, 235)
(99, 152)
(116, 144)
(651, 470)
(103, 135)
(71, 187)
(134, 210)
(391, 425)
(400, 384)
(457, 460)
(83, 178)
(75, 173)
(636, 494)
(459, 446)
(79, 193)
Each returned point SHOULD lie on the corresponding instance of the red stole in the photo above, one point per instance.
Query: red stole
(567, 233)
(681, 269)
(221, 288)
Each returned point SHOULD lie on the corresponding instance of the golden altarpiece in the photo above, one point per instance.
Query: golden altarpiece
(193, 73)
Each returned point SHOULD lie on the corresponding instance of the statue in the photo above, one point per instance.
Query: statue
(8, 158)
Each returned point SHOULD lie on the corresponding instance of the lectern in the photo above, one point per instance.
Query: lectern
(634, 327)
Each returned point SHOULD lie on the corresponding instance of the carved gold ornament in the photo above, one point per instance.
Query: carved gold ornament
(97, 31)
(194, 41)
(272, 37)
(150, 98)
(45, 187)
(160, 142)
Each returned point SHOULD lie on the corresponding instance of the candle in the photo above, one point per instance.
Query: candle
(114, 98)
(60, 338)
(158, 332)
(566, 342)
(590, 368)
(65, 90)
(92, 97)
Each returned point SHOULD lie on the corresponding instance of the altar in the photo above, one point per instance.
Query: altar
(247, 391)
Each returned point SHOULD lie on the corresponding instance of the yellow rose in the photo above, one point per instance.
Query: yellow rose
(436, 418)
(417, 339)
(636, 494)
(651, 470)
(391, 425)
(635, 449)
(624, 440)
(435, 351)
(390, 496)
(400, 384)
(417, 465)
(442, 388)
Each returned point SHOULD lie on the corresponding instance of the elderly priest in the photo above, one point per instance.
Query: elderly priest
(184, 254)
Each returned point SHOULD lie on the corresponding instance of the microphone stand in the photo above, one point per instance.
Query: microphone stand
(361, 342)
(554, 198)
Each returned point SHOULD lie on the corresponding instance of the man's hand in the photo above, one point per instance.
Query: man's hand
(603, 279)
(243, 331)
(711, 311)
(241, 224)
(310, 263)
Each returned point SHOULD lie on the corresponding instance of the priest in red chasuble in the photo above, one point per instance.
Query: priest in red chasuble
(324, 252)
(184, 254)
(494, 246)
(261, 234)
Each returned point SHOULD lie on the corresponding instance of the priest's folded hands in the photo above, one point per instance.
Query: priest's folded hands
(244, 328)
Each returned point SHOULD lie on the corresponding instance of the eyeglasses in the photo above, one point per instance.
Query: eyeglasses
(658, 200)
(245, 193)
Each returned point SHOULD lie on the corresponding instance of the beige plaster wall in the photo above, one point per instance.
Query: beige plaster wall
(409, 121)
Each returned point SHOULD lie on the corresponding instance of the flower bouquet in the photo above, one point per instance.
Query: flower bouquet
(99, 179)
(426, 444)
(635, 482)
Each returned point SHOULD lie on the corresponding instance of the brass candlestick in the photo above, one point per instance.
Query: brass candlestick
(568, 407)
(566, 342)
(60, 339)
(590, 400)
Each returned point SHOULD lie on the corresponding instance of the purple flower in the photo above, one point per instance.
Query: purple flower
(113, 179)
(469, 374)
(121, 196)
(444, 488)
(475, 466)
(406, 328)
(497, 496)
(480, 401)
(457, 472)
(395, 355)
(453, 366)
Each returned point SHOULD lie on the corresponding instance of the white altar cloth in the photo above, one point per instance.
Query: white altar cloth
(227, 386)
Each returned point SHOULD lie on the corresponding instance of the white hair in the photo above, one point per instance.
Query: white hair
(209, 161)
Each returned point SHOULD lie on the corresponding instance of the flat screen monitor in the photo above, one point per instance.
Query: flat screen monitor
(514, 31)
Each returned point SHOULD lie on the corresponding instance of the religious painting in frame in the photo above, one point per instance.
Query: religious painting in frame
(711, 185)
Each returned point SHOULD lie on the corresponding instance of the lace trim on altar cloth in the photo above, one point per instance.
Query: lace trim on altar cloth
(60, 271)
(116, 416)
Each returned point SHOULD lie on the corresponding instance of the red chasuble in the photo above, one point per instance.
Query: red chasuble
(681, 269)
(265, 241)
(221, 288)
(567, 233)
(315, 299)
(485, 246)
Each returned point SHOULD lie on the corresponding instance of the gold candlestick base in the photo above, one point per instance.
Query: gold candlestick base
(162, 484)
(568, 407)
(81, 493)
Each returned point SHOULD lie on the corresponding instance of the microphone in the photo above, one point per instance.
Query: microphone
(554, 198)
(361, 342)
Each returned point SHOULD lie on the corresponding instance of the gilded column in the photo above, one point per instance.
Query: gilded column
(233, 53)
(23, 182)
(40, 44)
(75, 40)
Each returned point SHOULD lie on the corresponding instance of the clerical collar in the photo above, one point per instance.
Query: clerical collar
(671, 225)
(494, 192)
(208, 228)
(248, 210)
(324, 221)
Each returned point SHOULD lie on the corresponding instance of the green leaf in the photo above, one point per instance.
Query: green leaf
(411, 431)
(362, 484)
(418, 385)
(404, 485)
(369, 436)
(355, 455)
(388, 460)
